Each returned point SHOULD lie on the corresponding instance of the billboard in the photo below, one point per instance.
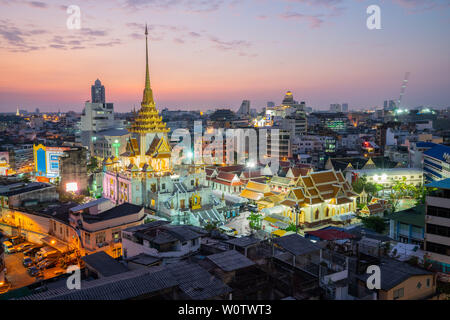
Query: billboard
(46, 160)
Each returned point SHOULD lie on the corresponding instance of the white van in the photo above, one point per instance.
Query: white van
(228, 231)
(45, 252)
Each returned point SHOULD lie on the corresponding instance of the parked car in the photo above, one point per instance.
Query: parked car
(48, 264)
(34, 272)
(31, 252)
(24, 246)
(27, 262)
(9, 247)
(252, 208)
(16, 240)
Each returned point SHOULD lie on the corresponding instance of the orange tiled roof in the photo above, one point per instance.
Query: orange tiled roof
(323, 177)
(258, 187)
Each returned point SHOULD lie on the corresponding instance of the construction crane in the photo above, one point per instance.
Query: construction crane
(402, 91)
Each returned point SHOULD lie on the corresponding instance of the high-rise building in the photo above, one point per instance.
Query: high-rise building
(96, 118)
(437, 228)
(98, 92)
(389, 105)
(244, 110)
(345, 107)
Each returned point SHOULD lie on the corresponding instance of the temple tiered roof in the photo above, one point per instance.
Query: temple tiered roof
(148, 119)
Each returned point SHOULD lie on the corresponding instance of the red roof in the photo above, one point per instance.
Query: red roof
(330, 234)
(253, 174)
(228, 183)
(236, 168)
(227, 176)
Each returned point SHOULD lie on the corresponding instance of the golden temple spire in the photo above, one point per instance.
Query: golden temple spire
(148, 119)
(148, 94)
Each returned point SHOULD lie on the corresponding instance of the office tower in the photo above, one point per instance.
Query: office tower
(98, 92)
(345, 107)
(244, 110)
(97, 117)
(389, 105)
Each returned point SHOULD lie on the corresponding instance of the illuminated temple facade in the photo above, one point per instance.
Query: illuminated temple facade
(145, 175)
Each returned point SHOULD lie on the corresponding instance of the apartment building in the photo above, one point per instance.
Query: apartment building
(437, 228)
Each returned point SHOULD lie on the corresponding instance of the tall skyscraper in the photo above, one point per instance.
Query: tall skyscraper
(345, 107)
(244, 110)
(98, 92)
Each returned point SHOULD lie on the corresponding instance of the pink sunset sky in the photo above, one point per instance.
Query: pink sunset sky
(215, 53)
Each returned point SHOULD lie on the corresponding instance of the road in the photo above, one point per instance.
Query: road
(240, 223)
(17, 274)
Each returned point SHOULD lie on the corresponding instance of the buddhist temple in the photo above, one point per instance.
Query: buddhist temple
(145, 175)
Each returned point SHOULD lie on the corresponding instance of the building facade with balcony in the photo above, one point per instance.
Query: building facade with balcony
(102, 231)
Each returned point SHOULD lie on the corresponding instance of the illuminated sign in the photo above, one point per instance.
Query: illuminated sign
(71, 187)
(447, 157)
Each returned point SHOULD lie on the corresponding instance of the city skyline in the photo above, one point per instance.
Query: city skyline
(219, 53)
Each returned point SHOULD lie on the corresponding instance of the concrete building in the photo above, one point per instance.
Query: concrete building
(97, 116)
(388, 177)
(102, 230)
(110, 143)
(436, 163)
(98, 92)
(408, 226)
(30, 194)
(161, 240)
(244, 110)
(437, 232)
(401, 281)
(73, 170)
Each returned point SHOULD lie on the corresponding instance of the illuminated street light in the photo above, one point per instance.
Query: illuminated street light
(250, 164)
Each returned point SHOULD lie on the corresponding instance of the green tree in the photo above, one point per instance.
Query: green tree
(394, 201)
(361, 184)
(255, 220)
(210, 226)
(374, 223)
(291, 227)
(92, 165)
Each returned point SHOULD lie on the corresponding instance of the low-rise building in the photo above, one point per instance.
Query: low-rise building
(161, 240)
(408, 226)
(388, 177)
(401, 281)
(102, 231)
